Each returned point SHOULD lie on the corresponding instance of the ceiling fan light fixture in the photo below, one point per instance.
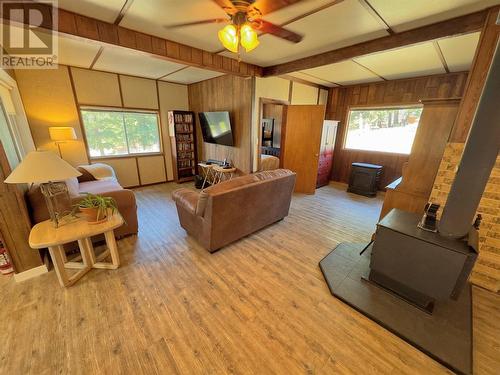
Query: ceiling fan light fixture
(229, 38)
(249, 38)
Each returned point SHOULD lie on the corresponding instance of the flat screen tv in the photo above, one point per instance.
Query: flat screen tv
(216, 128)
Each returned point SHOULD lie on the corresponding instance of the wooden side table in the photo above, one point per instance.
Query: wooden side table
(208, 173)
(44, 234)
(222, 174)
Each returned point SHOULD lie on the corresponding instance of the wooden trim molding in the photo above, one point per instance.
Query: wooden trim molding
(93, 29)
(123, 11)
(304, 82)
(31, 273)
(459, 25)
(82, 27)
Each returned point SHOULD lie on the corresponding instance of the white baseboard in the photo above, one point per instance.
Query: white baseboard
(33, 272)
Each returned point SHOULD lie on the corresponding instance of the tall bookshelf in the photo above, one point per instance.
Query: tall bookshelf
(183, 140)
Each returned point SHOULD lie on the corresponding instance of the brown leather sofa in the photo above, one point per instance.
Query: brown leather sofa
(125, 200)
(228, 211)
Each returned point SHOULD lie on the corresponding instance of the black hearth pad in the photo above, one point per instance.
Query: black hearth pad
(445, 336)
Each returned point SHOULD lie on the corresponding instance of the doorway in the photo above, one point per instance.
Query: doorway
(290, 136)
(270, 133)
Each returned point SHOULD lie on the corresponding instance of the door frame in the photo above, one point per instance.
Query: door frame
(263, 101)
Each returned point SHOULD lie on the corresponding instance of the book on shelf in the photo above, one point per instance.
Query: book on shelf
(183, 117)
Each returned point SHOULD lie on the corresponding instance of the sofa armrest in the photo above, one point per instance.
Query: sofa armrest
(186, 198)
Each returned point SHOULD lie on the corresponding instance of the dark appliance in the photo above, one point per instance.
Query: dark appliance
(423, 266)
(216, 128)
(364, 179)
(419, 265)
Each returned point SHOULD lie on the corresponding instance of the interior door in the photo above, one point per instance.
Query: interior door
(301, 140)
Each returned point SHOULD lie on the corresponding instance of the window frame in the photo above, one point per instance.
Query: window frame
(376, 107)
(122, 110)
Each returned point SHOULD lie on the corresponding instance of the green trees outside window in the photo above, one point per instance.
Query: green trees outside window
(383, 129)
(115, 133)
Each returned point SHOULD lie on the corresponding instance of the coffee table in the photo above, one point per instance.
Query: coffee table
(44, 234)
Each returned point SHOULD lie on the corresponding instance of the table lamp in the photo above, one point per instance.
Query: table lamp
(48, 170)
(61, 134)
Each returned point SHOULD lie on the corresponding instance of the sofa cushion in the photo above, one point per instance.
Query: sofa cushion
(73, 187)
(268, 175)
(187, 198)
(231, 184)
(99, 186)
(221, 188)
(85, 175)
(100, 171)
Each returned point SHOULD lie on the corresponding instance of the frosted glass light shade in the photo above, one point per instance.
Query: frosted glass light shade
(62, 133)
(40, 167)
(249, 38)
(229, 38)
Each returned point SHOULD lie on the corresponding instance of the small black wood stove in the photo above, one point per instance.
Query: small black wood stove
(413, 279)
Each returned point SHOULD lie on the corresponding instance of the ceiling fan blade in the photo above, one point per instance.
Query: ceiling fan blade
(268, 6)
(226, 5)
(280, 32)
(194, 23)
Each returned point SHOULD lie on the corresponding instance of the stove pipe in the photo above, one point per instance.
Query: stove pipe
(478, 159)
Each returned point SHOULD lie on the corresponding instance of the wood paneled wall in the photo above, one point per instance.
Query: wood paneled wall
(226, 93)
(15, 223)
(398, 92)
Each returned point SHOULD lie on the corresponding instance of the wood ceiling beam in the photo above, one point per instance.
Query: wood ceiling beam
(455, 26)
(82, 27)
(90, 28)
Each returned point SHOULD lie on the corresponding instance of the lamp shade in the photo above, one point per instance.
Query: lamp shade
(62, 133)
(40, 167)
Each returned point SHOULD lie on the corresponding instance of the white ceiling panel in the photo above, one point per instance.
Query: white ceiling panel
(124, 61)
(408, 14)
(343, 73)
(152, 15)
(413, 61)
(459, 51)
(76, 52)
(338, 26)
(191, 75)
(289, 13)
(105, 10)
(311, 78)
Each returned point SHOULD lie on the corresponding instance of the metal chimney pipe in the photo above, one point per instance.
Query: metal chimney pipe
(478, 159)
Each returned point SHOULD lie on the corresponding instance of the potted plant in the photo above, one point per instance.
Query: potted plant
(95, 208)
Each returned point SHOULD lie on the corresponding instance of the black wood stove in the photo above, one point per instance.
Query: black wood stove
(413, 278)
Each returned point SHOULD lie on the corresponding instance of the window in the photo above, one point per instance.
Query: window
(383, 129)
(117, 132)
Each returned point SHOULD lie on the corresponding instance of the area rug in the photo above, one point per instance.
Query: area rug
(445, 336)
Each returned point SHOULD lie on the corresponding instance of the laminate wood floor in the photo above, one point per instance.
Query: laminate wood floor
(259, 306)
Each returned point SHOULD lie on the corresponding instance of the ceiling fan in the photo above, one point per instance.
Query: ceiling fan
(245, 20)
